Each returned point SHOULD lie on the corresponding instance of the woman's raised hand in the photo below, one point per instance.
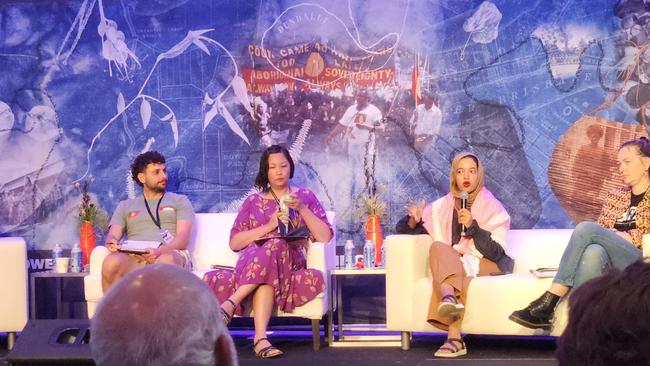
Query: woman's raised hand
(415, 210)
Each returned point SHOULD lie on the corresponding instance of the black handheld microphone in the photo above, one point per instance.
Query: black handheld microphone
(463, 204)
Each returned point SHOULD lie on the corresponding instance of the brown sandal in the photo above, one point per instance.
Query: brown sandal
(449, 306)
(268, 351)
(227, 317)
(453, 351)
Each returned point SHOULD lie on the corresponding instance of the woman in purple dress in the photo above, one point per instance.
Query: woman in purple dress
(273, 273)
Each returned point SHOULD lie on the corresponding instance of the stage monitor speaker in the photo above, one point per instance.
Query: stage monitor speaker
(53, 342)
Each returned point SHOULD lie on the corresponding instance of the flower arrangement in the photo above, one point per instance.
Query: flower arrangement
(89, 211)
(371, 204)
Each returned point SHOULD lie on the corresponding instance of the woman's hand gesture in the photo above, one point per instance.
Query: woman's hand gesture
(273, 221)
(415, 210)
(293, 202)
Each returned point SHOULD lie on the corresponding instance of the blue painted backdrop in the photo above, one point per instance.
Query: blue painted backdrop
(87, 85)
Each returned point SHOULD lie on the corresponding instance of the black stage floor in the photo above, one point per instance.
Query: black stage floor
(483, 350)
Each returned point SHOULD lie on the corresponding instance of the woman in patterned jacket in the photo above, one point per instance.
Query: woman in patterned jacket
(614, 241)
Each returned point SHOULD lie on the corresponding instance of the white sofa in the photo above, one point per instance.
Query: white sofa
(490, 299)
(13, 286)
(209, 246)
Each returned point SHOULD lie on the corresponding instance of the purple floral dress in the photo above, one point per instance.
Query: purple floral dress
(274, 263)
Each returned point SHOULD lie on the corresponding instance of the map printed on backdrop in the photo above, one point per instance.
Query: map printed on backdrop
(543, 91)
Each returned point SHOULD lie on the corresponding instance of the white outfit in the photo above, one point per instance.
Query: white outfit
(361, 146)
(428, 120)
(369, 116)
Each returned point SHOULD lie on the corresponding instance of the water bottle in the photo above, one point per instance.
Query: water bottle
(283, 225)
(383, 256)
(76, 259)
(349, 254)
(369, 254)
(57, 252)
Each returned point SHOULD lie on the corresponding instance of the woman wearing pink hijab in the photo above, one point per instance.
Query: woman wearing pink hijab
(467, 242)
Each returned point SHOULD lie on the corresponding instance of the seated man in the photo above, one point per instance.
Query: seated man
(157, 216)
(141, 321)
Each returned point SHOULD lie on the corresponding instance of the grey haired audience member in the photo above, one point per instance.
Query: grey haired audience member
(609, 320)
(160, 315)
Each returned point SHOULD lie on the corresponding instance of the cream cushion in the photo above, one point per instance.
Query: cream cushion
(490, 299)
(13, 284)
(209, 246)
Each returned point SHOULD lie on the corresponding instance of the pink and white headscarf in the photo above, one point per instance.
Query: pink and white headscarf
(488, 212)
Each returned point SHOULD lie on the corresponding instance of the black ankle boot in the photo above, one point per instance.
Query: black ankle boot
(538, 314)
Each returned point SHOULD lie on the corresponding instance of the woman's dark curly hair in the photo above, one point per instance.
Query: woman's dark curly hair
(609, 320)
(262, 179)
(140, 163)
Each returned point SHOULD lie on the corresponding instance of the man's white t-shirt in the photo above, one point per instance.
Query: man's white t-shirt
(368, 116)
(428, 120)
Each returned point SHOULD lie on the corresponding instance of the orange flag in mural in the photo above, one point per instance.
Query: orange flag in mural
(415, 81)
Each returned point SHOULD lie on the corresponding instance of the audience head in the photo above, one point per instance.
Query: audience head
(609, 320)
(634, 160)
(466, 175)
(160, 315)
(143, 167)
(276, 167)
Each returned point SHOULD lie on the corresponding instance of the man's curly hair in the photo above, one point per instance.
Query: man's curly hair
(141, 161)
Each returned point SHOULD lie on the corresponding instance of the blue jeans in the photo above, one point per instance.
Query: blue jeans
(591, 250)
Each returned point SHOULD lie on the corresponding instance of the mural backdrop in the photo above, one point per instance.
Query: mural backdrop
(543, 91)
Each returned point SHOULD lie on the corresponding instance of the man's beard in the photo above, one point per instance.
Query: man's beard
(158, 187)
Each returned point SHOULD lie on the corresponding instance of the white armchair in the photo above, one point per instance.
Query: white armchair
(209, 246)
(490, 299)
(13, 286)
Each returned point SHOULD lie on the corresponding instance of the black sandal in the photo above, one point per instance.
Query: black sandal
(266, 352)
(451, 347)
(225, 315)
(449, 306)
